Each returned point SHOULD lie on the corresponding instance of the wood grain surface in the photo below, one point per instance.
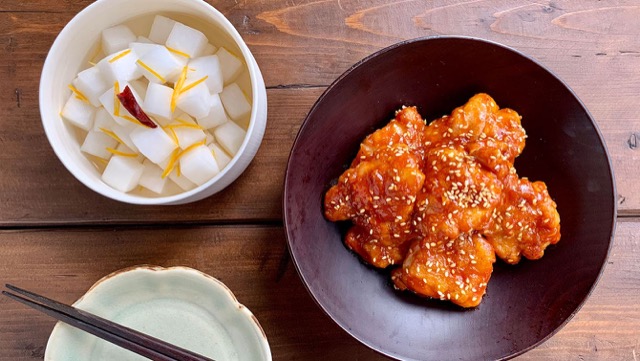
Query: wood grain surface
(254, 263)
(58, 237)
(302, 47)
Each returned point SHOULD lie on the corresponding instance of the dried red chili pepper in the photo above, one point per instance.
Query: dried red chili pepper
(130, 103)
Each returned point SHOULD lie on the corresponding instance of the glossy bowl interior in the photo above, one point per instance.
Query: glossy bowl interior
(78, 41)
(524, 304)
(178, 304)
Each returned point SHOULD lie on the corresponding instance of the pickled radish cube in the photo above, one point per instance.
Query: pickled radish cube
(216, 115)
(158, 101)
(174, 78)
(209, 49)
(230, 64)
(208, 66)
(235, 102)
(152, 177)
(141, 49)
(199, 165)
(230, 137)
(153, 143)
(124, 133)
(222, 158)
(92, 84)
(107, 99)
(195, 101)
(122, 173)
(160, 29)
(142, 39)
(158, 65)
(187, 136)
(78, 113)
(120, 66)
(180, 57)
(186, 39)
(186, 130)
(183, 60)
(96, 143)
(117, 38)
(181, 181)
(103, 120)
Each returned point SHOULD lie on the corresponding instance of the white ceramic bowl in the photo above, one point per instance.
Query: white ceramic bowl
(178, 304)
(73, 47)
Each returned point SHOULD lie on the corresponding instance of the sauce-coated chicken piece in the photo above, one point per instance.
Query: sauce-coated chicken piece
(458, 195)
(457, 270)
(492, 135)
(526, 221)
(379, 190)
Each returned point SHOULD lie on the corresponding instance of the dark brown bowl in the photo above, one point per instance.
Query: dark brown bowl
(525, 304)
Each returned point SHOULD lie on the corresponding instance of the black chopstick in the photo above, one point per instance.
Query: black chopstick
(132, 340)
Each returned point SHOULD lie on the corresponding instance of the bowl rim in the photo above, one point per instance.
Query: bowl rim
(212, 281)
(392, 47)
(253, 130)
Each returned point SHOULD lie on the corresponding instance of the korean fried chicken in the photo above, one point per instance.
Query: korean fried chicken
(439, 202)
(449, 269)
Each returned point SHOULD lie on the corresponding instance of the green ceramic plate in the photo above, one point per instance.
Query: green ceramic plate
(179, 305)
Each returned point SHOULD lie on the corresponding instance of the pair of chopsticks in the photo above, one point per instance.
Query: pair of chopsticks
(132, 340)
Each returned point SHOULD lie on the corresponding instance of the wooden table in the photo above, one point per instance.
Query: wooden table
(57, 237)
